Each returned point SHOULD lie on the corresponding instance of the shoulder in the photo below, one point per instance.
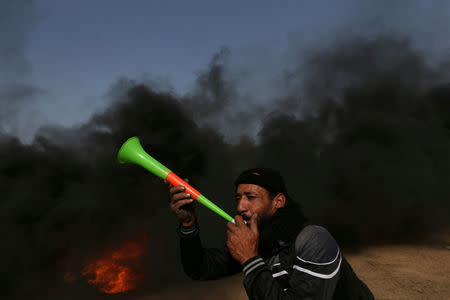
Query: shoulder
(315, 244)
(316, 253)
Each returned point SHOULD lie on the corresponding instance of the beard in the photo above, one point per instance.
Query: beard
(284, 225)
(263, 219)
(266, 234)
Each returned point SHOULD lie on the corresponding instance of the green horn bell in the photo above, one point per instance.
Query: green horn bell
(132, 152)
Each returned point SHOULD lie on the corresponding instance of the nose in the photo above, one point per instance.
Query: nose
(242, 206)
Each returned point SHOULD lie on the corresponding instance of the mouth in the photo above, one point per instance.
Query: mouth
(245, 217)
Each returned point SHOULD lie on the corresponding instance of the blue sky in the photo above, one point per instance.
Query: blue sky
(75, 50)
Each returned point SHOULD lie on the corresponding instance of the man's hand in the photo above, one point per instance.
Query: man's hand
(242, 240)
(181, 203)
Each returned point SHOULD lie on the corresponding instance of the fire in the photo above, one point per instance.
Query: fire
(119, 270)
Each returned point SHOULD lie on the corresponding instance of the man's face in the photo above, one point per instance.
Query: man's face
(252, 199)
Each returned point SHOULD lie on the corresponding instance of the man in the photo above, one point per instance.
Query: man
(281, 254)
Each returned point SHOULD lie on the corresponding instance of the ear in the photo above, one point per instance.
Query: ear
(279, 200)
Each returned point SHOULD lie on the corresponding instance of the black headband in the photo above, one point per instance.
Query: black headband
(269, 179)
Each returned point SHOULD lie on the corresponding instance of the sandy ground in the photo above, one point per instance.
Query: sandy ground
(391, 272)
(405, 272)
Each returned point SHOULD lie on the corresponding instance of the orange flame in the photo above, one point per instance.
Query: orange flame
(119, 270)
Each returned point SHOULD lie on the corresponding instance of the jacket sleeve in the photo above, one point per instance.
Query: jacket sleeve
(204, 263)
(314, 273)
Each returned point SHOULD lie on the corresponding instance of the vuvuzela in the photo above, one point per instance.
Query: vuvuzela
(132, 151)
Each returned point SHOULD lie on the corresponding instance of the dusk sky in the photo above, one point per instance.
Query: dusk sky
(70, 52)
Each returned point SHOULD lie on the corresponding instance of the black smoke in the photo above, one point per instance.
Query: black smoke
(361, 135)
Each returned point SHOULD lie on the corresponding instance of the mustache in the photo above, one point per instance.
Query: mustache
(245, 217)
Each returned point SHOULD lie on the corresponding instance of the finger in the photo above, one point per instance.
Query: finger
(254, 223)
(230, 236)
(239, 221)
(229, 245)
(180, 196)
(176, 189)
(169, 185)
(180, 203)
(187, 180)
(231, 227)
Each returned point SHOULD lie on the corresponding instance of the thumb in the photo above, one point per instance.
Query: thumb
(254, 223)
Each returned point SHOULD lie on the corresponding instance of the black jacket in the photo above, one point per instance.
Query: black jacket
(312, 273)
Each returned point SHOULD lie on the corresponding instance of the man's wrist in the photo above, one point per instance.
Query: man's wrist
(188, 230)
(247, 258)
(188, 223)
